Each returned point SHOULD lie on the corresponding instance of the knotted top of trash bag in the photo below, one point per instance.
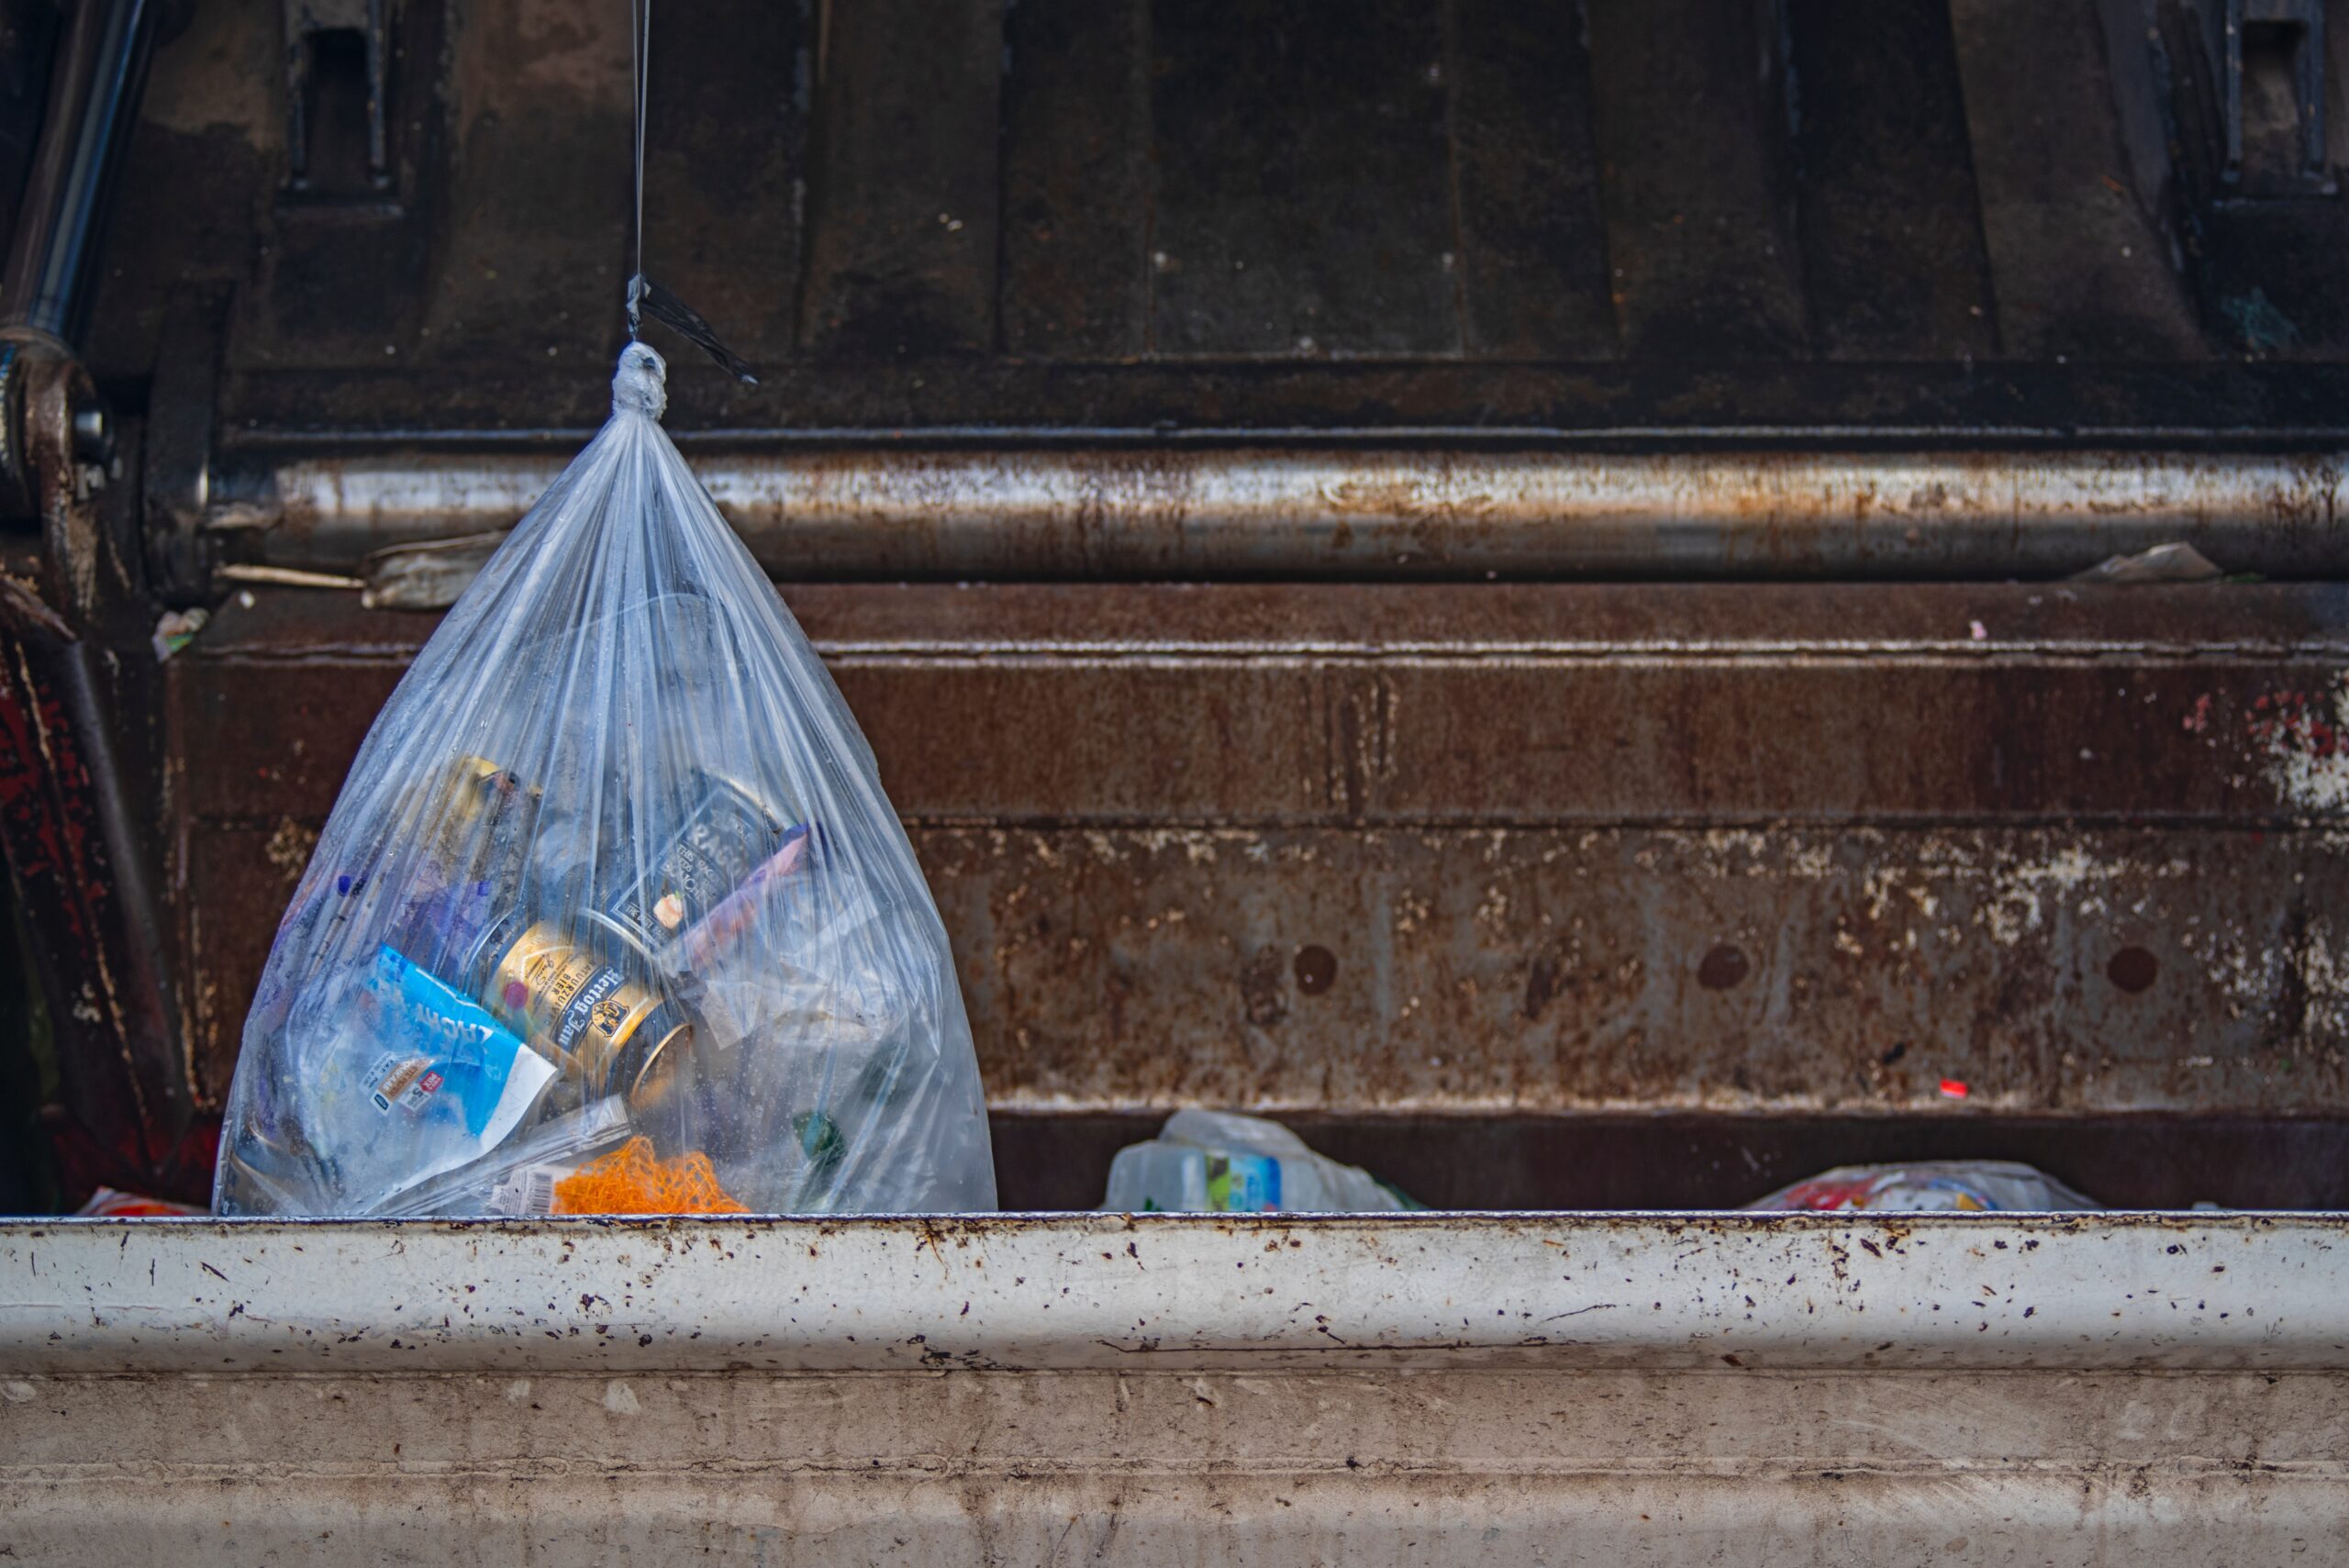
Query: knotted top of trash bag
(642, 383)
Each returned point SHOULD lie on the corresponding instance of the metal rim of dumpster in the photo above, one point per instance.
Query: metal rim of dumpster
(1070, 1292)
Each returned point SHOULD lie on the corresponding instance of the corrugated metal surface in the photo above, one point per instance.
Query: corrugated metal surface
(1431, 1390)
(1264, 215)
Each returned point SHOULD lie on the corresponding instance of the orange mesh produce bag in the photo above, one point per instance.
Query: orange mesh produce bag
(629, 1180)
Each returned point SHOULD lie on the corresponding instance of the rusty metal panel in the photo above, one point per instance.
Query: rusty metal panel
(1524, 850)
(505, 234)
(2262, 269)
(360, 273)
(1522, 741)
(1523, 704)
(531, 257)
(726, 168)
(237, 883)
(1532, 259)
(1773, 972)
(1518, 706)
(1890, 215)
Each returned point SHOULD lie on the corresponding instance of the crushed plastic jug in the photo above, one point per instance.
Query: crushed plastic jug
(612, 914)
(1927, 1186)
(1216, 1161)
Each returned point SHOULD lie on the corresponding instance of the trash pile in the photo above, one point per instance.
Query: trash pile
(1207, 1161)
(1927, 1186)
(612, 915)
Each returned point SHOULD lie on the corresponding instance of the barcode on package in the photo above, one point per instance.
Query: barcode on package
(528, 1193)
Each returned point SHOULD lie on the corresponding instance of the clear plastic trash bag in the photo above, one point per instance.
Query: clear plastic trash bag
(612, 914)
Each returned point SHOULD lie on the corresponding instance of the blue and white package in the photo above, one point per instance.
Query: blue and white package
(403, 1079)
(444, 1050)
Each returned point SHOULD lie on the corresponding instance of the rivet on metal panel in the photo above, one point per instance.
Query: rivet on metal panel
(1316, 970)
(2133, 969)
(1722, 968)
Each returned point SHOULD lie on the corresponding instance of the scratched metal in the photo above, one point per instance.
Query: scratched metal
(1091, 514)
(1521, 705)
(1519, 740)
(1177, 1293)
(1270, 1468)
(1729, 970)
(1430, 1390)
(1435, 1390)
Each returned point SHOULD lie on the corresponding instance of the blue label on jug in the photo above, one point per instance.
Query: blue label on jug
(1244, 1184)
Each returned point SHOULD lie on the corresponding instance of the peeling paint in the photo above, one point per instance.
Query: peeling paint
(2305, 736)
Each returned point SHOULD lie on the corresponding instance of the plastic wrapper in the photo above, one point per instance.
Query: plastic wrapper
(1926, 1187)
(1215, 1161)
(612, 914)
(109, 1204)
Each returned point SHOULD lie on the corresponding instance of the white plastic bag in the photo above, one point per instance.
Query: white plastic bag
(612, 914)
(1216, 1161)
(1927, 1186)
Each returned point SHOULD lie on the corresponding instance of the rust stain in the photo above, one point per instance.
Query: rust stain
(1530, 839)
(289, 847)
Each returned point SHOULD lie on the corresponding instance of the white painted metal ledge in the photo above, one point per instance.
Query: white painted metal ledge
(1401, 1392)
(1072, 1291)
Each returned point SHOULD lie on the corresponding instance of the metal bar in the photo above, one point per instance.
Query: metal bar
(1167, 1294)
(1370, 514)
(150, 1038)
(101, 69)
